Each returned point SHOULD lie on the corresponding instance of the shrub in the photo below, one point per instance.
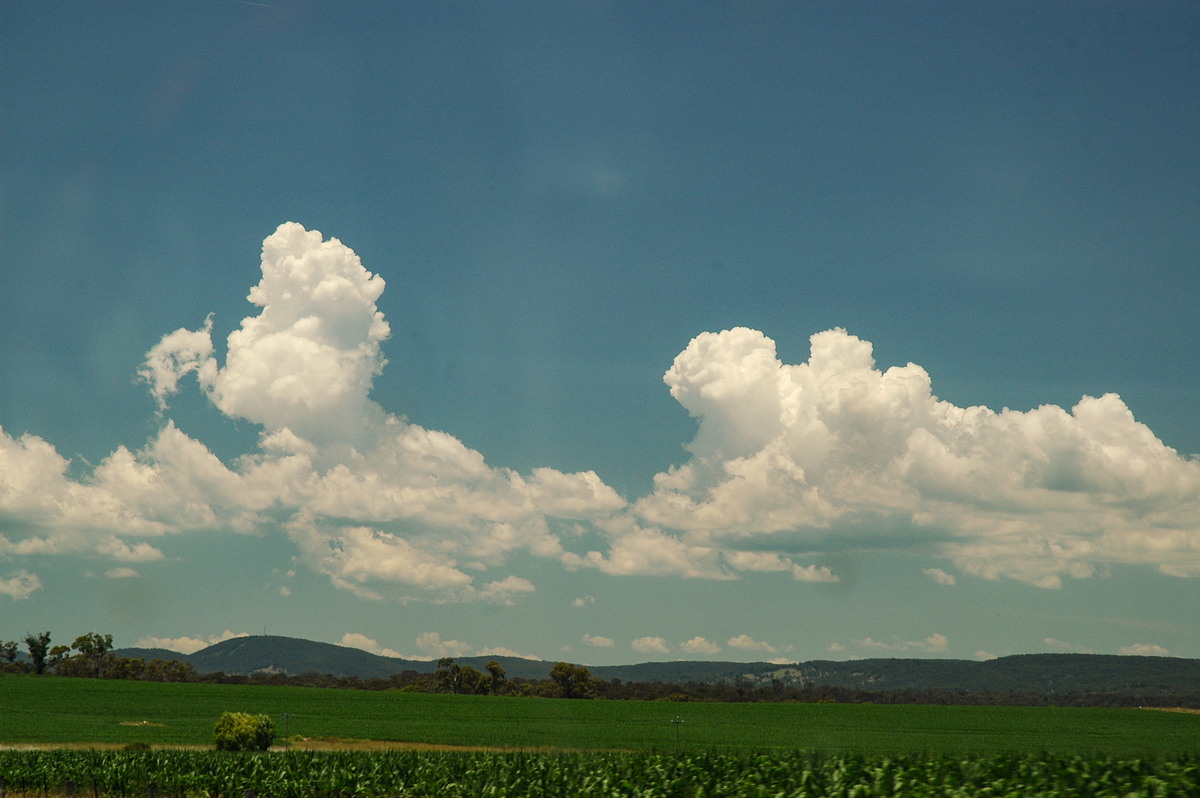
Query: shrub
(240, 731)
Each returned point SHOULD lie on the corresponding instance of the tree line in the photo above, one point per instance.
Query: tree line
(90, 655)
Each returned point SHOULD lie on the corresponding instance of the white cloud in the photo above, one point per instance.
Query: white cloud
(650, 645)
(939, 576)
(361, 641)
(20, 585)
(501, 651)
(506, 591)
(789, 463)
(384, 508)
(756, 561)
(698, 645)
(121, 573)
(431, 643)
(833, 452)
(935, 643)
(583, 601)
(638, 550)
(1055, 644)
(811, 573)
(984, 655)
(1144, 650)
(598, 641)
(835, 647)
(187, 645)
(748, 643)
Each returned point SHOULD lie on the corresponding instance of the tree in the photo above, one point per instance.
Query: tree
(449, 675)
(575, 681)
(57, 655)
(497, 683)
(241, 731)
(8, 656)
(93, 648)
(38, 646)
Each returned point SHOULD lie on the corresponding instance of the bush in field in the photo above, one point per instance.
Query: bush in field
(239, 731)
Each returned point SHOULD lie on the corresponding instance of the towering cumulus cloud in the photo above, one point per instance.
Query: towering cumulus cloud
(836, 454)
(790, 464)
(307, 361)
(377, 504)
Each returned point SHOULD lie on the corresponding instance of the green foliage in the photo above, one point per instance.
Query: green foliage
(518, 775)
(241, 731)
(65, 710)
(575, 681)
(38, 647)
(93, 651)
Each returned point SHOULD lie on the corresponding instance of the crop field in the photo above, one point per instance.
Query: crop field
(61, 710)
(184, 774)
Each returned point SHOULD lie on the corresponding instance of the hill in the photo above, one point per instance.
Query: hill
(1041, 674)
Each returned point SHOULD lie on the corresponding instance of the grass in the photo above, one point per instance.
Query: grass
(59, 710)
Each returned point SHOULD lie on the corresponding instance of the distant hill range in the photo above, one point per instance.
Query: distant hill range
(1045, 674)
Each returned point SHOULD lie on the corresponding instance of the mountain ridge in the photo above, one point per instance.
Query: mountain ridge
(1047, 674)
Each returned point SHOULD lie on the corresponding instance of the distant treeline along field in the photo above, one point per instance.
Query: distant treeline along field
(1027, 680)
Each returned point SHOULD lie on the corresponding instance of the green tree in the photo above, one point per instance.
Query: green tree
(497, 683)
(93, 649)
(449, 675)
(241, 731)
(8, 656)
(575, 681)
(39, 647)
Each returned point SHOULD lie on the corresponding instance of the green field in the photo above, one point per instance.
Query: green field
(64, 710)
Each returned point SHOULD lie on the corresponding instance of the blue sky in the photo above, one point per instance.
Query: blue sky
(601, 331)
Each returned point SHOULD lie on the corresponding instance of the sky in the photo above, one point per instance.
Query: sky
(602, 332)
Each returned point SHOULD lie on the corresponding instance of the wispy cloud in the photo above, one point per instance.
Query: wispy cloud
(1144, 650)
(939, 576)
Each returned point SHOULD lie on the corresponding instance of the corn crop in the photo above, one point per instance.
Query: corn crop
(194, 774)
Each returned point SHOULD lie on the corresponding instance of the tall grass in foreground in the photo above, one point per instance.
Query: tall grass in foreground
(515, 775)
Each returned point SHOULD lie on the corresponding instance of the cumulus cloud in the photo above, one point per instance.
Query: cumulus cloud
(699, 645)
(811, 573)
(834, 453)
(790, 463)
(185, 644)
(935, 643)
(20, 585)
(121, 573)
(939, 576)
(650, 645)
(501, 651)
(599, 641)
(1144, 650)
(583, 601)
(361, 641)
(432, 644)
(384, 508)
(506, 591)
(748, 643)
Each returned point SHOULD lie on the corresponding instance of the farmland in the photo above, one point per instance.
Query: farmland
(562, 747)
(65, 710)
(521, 775)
